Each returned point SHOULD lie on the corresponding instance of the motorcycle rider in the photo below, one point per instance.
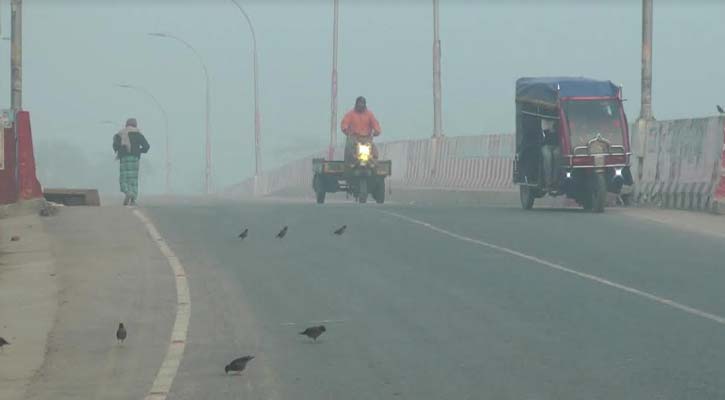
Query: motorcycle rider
(359, 123)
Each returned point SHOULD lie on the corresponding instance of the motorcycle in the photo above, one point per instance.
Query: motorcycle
(360, 175)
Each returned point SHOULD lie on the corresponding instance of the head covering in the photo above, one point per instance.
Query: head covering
(363, 107)
(131, 126)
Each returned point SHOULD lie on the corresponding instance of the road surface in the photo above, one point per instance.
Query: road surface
(447, 303)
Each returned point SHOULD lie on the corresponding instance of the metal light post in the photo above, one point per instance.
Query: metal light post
(257, 117)
(153, 98)
(207, 171)
(16, 55)
(645, 112)
(333, 95)
(437, 109)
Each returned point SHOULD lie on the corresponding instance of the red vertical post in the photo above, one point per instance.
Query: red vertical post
(28, 184)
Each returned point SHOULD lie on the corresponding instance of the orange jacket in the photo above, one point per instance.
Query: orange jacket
(360, 124)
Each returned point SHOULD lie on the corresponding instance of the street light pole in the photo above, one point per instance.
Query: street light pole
(437, 109)
(16, 55)
(257, 116)
(333, 96)
(207, 170)
(645, 112)
(153, 98)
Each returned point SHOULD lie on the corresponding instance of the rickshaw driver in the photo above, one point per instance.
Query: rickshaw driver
(359, 122)
(550, 151)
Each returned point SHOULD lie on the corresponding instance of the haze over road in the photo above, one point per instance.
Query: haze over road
(415, 313)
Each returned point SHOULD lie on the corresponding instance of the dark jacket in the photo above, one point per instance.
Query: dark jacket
(139, 144)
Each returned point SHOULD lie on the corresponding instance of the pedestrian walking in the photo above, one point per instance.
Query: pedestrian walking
(129, 144)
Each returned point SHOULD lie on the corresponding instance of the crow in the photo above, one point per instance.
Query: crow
(238, 365)
(243, 235)
(341, 230)
(314, 332)
(3, 342)
(281, 233)
(720, 110)
(121, 333)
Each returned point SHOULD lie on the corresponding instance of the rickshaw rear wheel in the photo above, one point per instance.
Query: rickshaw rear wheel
(362, 194)
(379, 190)
(319, 186)
(598, 192)
(527, 196)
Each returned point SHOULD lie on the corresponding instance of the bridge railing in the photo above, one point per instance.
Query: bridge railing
(683, 165)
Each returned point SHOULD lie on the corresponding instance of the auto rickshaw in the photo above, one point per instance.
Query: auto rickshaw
(572, 139)
(362, 174)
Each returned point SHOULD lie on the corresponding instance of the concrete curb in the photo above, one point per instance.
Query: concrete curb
(25, 207)
(718, 206)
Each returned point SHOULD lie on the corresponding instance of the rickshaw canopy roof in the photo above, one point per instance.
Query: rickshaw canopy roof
(550, 89)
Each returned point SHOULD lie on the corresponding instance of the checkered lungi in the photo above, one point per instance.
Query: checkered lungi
(128, 177)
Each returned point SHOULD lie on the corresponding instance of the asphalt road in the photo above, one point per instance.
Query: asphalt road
(571, 305)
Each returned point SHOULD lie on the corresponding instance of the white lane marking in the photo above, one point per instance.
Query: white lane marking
(167, 372)
(594, 278)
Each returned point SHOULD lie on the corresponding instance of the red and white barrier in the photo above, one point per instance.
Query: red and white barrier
(18, 180)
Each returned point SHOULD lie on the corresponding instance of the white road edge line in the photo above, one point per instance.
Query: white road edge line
(167, 372)
(594, 278)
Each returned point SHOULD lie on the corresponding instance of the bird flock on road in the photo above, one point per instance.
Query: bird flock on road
(240, 364)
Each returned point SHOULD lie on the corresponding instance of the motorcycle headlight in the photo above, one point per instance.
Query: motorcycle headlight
(363, 152)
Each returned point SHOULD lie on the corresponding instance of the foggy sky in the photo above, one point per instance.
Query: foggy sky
(75, 51)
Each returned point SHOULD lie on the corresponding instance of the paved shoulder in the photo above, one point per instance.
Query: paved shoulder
(28, 301)
(109, 271)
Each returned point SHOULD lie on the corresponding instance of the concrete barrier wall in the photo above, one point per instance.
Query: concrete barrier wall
(682, 162)
(719, 201)
(467, 163)
(683, 167)
(462, 163)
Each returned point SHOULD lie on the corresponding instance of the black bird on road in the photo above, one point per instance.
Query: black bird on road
(3, 342)
(121, 333)
(281, 233)
(243, 235)
(720, 110)
(238, 365)
(341, 230)
(314, 332)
